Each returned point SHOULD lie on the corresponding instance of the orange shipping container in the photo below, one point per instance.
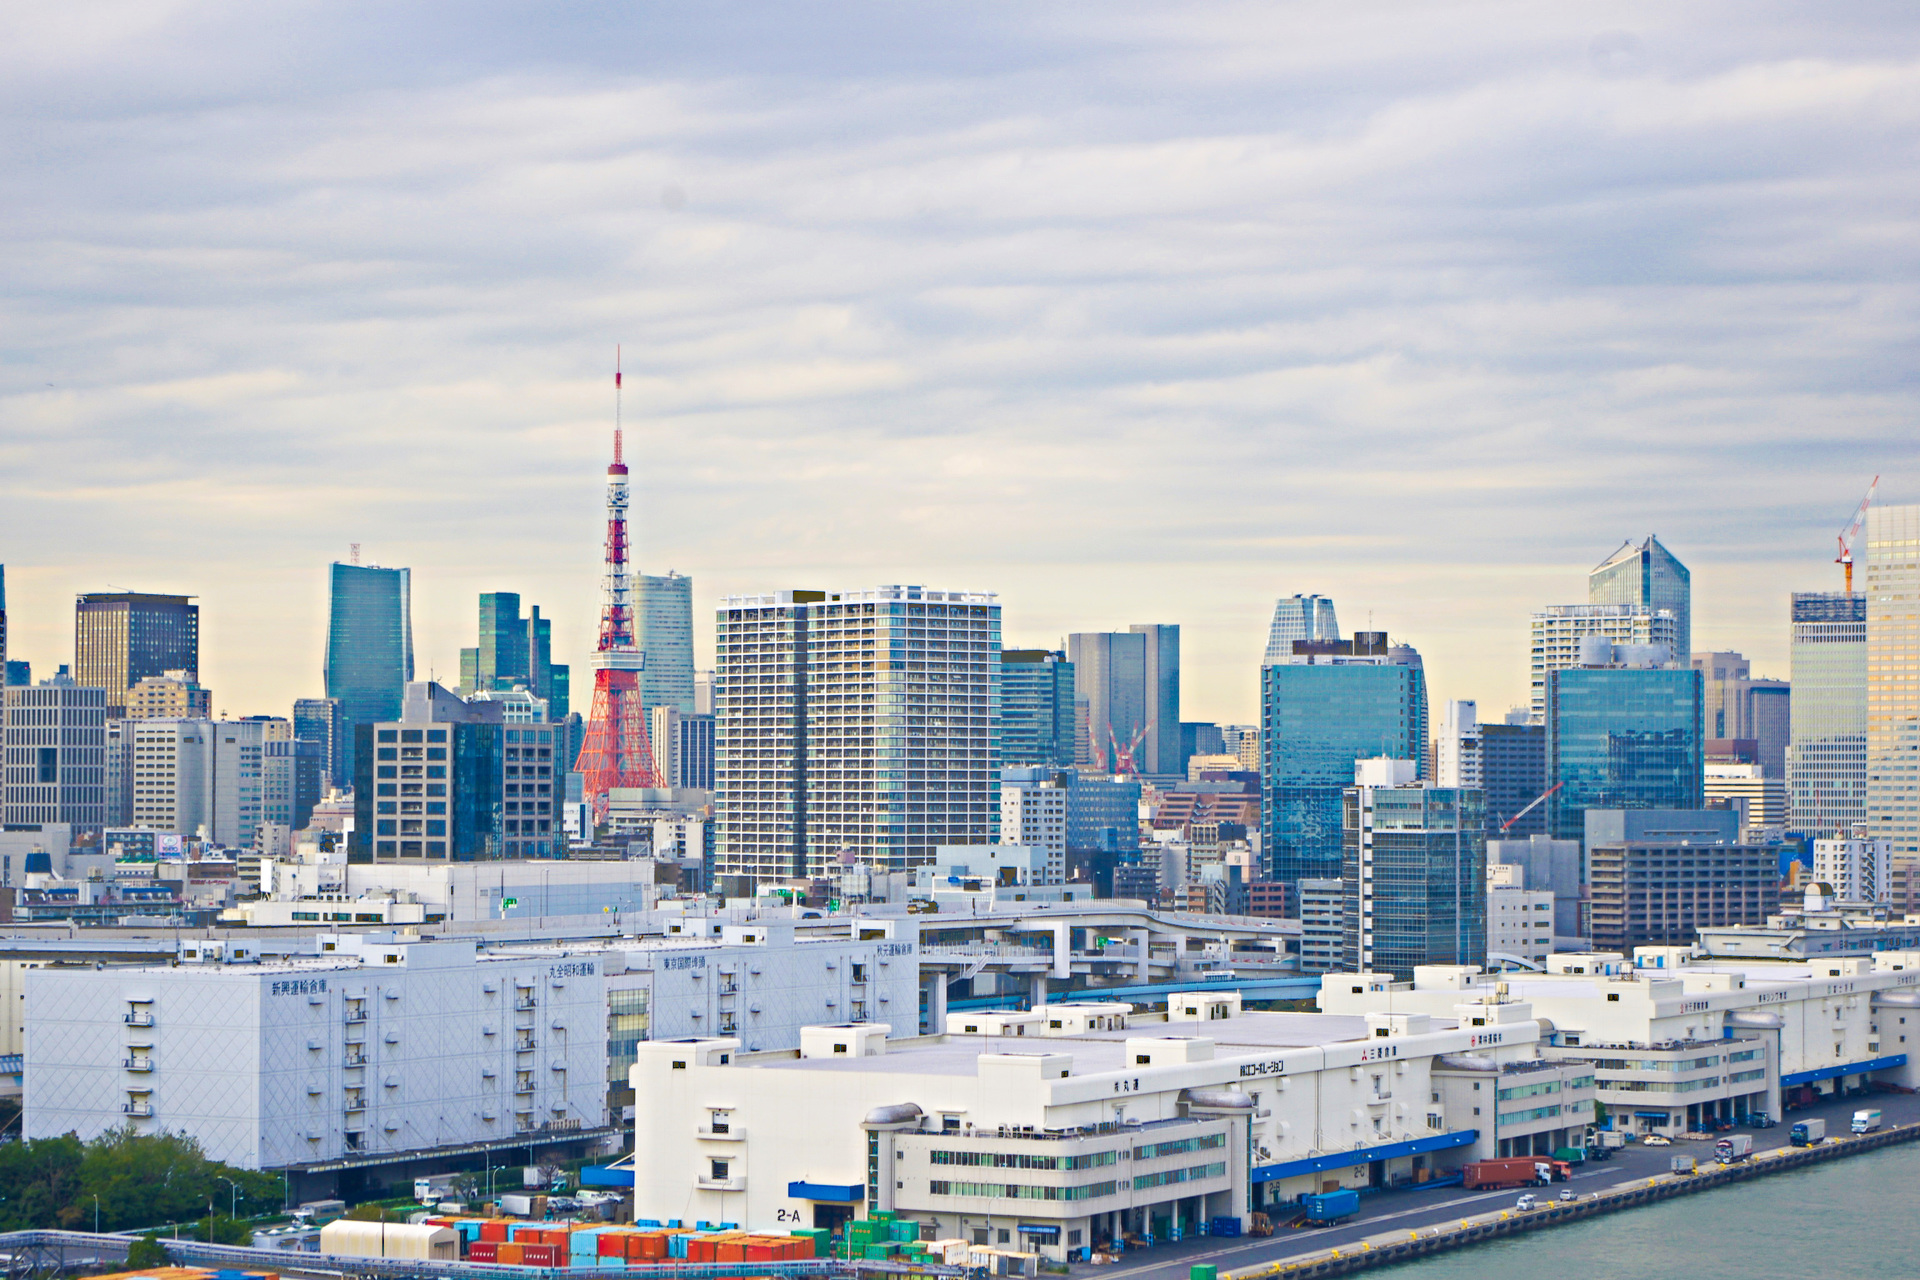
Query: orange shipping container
(651, 1245)
(508, 1254)
(612, 1244)
(730, 1251)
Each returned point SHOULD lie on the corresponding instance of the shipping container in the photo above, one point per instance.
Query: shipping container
(389, 1240)
(1203, 1271)
(1330, 1206)
(1517, 1171)
(483, 1251)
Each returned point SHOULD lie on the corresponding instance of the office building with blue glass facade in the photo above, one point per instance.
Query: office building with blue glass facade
(1036, 707)
(369, 648)
(1333, 703)
(1621, 737)
(1413, 877)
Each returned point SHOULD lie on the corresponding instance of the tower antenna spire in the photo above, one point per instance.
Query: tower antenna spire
(616, 403)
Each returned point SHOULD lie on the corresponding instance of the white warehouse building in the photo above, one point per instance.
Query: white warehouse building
(1057, 1129)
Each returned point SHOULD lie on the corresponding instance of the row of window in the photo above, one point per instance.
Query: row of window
(1167, 1177)
(1181, 1146)
(1013, 1160)
(1018, 1191)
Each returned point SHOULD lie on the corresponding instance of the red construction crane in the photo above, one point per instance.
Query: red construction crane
(1853, 531)
(1531, 807)
(1123, 756)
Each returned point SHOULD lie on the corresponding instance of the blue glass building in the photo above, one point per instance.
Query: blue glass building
(1414, 878)
(369, 648)
(1317, 717)
(1623, 738)
(1036, 707)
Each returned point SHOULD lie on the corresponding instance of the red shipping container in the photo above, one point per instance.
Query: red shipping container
(611, 1244)
(651, 1245)
(483, 1251)
(540, 1255)
(702, 1249)
(730, 1251)
(495, 1229)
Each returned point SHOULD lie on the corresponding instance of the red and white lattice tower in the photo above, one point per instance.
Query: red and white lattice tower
(616, 752)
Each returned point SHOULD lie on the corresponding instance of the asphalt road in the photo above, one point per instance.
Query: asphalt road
(1410, 1208)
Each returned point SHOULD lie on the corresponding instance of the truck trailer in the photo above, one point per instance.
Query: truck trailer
(1328, 1207)
(1514, 1171)
(1733, 1147)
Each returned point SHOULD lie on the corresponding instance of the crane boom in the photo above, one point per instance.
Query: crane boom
(1852, 532)
(1531, 807)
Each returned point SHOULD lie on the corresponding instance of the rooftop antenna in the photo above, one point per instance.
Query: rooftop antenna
(353, 553)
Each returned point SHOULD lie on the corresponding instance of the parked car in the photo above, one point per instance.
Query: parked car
(1567, 1196)
(1526, 1202)
(1655, 1140)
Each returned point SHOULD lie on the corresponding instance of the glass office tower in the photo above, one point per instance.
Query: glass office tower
(1827, 764)
(120, 638)
(664, 606)
(369, 648)
(1893, 692)
(1316, 719)
(1299, 618)
(1036, 707)
(1414, 878)
(1623, 738)
(1651, 578)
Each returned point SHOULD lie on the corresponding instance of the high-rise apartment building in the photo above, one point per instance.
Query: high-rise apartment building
(1622, 737)
(1130, 683)
(665, 606)
(317, 720)
(1856, 868)
(171, 695)
(1036, 707)
(452, 781)
(692, 752)
(1893, 679)
(1557, 631)
(1299, 618)
(1457, 746)
(854, 727)
(53, 745)
(1650, 578)
(122, 637)
(1413, 872)
(1033, 813)
(1331, 704)
(369, 648)
(1658, 876)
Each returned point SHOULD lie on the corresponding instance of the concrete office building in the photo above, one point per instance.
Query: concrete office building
(199, 778)
(1553, 866)
(1137, 1127)
(1036, 707)
(1519, 919)
(1726, 687)
(1647, 577)
(1772, 702)
(1658, 876)
(172, 695)
(1323, 915)
(122, 637)
(1331, 704)
(693, 752)
(1413, 870)
(1299, 618)
(1859, 869)
(1761, 801)
(1556, 634)
(1243, 741)
(1034, 813)
(369, 648)
(1893, 697)
(1622, 736)
(53, 754)
(1513, 774)
(370, 1053)
(452, 780)
(1130, 682)
(1827, 760)
(861, 723)
(664, 606)
(291, 773)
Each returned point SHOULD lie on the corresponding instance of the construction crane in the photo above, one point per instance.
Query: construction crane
(1531, 807)
(1123, 756)
(1852, 532)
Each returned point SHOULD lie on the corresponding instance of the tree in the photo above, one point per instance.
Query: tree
(146, 1252)
(142, 1179)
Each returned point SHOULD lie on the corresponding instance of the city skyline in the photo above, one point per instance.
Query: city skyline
(1222, 305)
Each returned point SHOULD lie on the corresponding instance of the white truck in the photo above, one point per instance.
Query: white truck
(434, 1189)
(1733, 1147)
(1866, 1121)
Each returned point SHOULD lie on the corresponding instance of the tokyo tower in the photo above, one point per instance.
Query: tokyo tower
(616, 752)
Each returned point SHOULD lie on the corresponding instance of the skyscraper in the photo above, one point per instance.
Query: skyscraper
(1299, 618)
(1036, 707)
(854, 727)
(665, 605)
(123, 637)
(1893, 692)
(1827, 762)
(1413, 872)
(1651, 578)
(1130, 683)
(1556, 633)
(3, 626)
(1331, 704)
(317, 721)
(1622, 737)
(1513, 774)
(53, 754)
(369, 647)
(1457, 746)
(514, 652)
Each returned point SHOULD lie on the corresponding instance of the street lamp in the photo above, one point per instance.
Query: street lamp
(96, 1215)
(233, 1206)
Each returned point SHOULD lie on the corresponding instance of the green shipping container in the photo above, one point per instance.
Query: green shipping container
(1203, 1271)
(877, 1252)
(905, 1229)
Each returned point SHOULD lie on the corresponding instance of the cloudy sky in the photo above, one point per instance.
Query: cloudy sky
(1128, 313)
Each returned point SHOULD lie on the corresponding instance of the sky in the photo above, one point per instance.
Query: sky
(1129, 313)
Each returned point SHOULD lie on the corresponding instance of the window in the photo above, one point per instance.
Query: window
(719, 1170)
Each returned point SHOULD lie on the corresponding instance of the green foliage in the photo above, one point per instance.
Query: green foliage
(139, 1180)
(220, 1229)
(146, 1252)
(373, 1212)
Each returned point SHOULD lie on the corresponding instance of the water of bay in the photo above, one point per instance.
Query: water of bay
(1858, 1217)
